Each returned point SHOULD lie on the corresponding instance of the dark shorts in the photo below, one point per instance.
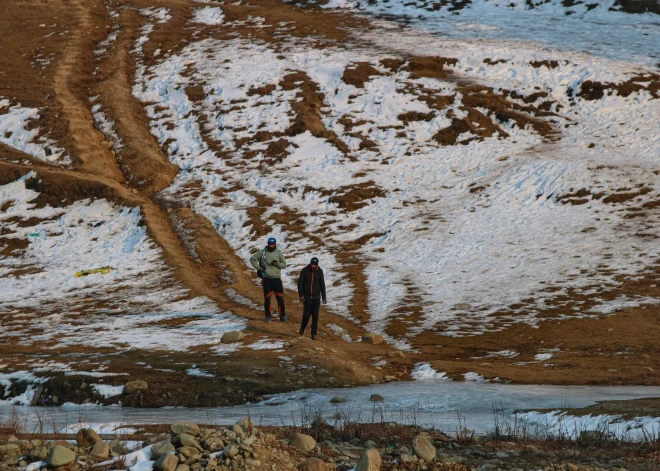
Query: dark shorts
(273, 286)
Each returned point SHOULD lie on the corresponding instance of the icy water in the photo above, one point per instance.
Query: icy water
(447, 405)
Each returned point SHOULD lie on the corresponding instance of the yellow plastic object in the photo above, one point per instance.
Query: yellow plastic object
(91, 271)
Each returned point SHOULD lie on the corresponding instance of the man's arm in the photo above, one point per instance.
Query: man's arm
(322, 284)
(301, 283)
(254, 260)
(281, 263)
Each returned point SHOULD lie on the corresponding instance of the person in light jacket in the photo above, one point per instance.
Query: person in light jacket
(269, 263)
(311, 289)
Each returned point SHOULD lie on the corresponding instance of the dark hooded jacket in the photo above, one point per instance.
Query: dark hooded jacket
(311, 284)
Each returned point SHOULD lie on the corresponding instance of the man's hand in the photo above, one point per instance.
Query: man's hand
(325, 301)
(274, 263)
(302, 300)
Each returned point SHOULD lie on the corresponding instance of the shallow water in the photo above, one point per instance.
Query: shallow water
(447, 405)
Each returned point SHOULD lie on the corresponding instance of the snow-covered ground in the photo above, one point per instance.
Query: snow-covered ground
(42, 300)
(468, 230)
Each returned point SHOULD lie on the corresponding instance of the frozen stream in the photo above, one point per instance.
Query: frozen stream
(436, 403)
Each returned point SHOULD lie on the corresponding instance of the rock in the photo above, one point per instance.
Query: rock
(60, 456)
(370, 444)
(166, 463)
(369, 461)
(230, 451)
(118, 447)
(423, 448)
(87, 437)
(39, 453)
(189, 451)
(373, 338)
(247, 425)
(313, 464)
(232, 337)
(572, 467)
(182, 467)
(154, 439)
(177, 428)
(11, 449)
(238, 430)
(396, 353)
(376, 398)
(253, 463)
(160, 449)
(185, 440)
(502, 455)
(303, 442)
(406, 458)
(100, 450)
(55, 400)
(135, 386)
(12, 439)
(337, 400)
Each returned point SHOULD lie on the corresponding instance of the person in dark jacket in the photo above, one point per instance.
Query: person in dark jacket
(311, 289)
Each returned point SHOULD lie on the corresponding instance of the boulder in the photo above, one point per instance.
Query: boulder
(160, 449)
(118, 447)
(423, 449)
(246, 425)
(313, 464)
(177, 428)
(373, 338)
(135, 386)
(60, 456)
(39, 453)
(369, 461)
(185, 440)
(303, 442)
(337, 400)
(230, 451)
(376, 398)
(166, 463)
(87, 437)
(154, 439)
(100, 450)
(189, 451)
(232, 337)
(11, 449)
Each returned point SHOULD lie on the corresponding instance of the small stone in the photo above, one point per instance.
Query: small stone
(572, 467)
(376, 398)
(100, 450)
(186, 440)
(182, 467)
(55, 400)
(154, 439)
(189, 428)
(423, 448)
(313, 464)
(252, 462)
(60, 456)
(160, 449)
(39, 453)
(370, 444)
(406, 458)
(502, 455)
(369, 461)
(238, 430)
(303, 442)
(230, 451)
(87, 437)
(232, 337)
(166, 463)
(337, 400)
(135, 386)
(396, 353)
(373, 338)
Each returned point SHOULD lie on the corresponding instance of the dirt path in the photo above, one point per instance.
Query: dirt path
(88, 148)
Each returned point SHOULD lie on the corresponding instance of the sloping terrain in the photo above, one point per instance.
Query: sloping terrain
(488, 203)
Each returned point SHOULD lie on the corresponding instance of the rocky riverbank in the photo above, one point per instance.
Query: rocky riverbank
(185, 446)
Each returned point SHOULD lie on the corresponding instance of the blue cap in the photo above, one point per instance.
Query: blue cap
(271, 240)
(315, 261)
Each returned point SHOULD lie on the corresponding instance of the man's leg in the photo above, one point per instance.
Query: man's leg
(315, 305)
(278, 289)
(307, 312)
(267, 294)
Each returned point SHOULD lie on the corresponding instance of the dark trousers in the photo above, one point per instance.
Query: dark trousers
(311, 308)
(273, 286)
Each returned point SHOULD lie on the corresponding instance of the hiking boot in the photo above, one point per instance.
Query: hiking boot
(313, 337)
(268, 318)
(301, 332)
(283, 318)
